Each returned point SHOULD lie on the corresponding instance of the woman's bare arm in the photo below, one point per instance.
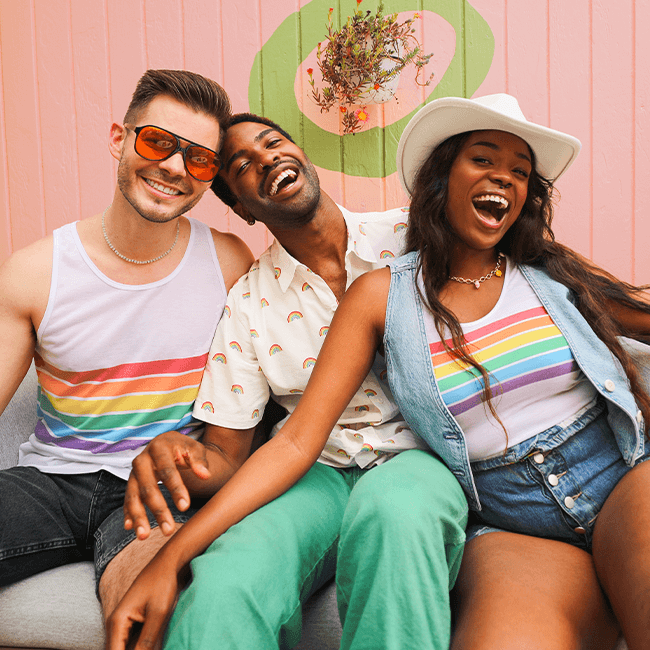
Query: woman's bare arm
(345, 359)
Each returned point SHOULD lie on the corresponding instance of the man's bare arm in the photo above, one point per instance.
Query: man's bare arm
(235, 258)
(24, 289)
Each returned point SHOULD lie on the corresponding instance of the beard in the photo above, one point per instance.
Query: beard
(292, 214)
(127, 180)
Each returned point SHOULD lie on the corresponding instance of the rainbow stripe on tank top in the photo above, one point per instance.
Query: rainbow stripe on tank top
(114, 409)
(518, 351)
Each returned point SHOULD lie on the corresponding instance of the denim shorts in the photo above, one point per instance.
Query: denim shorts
(48, 520)
(554, 484)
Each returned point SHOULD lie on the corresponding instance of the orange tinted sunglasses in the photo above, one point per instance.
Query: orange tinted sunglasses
(156, 144)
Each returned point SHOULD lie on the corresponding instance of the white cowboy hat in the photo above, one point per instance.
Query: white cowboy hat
(434, 123)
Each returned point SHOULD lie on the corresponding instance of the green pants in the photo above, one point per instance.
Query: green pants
(393, 535)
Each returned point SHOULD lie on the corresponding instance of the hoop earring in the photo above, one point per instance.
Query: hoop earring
(250, 221)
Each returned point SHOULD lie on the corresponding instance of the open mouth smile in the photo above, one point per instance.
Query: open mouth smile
(491, 207)
(162, 188)
(285, 179)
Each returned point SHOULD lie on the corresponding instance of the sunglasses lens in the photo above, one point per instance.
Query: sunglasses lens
(202, 163)
(155, 144)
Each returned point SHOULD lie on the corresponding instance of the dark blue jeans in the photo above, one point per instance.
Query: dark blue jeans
(48, 520)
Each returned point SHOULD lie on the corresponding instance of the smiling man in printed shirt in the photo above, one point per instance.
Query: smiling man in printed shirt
(385, 516)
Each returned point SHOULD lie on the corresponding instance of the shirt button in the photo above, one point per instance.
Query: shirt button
(538, 458)
(569, 502)
(553, 480)
(609, 386)
(580, 530)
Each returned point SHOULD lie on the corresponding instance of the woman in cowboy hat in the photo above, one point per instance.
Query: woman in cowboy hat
(504, 354)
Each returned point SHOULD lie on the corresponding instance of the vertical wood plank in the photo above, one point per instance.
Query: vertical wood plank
(613, 137)
(527, 57)
(641, 151)
(127, 52)
(570, 111)
(92, 105)
(494, 12)
(20, 87)
(57, 113)
(164, 33)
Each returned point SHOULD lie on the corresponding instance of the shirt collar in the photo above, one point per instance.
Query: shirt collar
(285, 265)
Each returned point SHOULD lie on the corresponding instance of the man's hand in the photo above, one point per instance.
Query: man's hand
(161, 460)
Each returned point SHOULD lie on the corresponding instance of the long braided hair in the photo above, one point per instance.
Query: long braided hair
(530, 240)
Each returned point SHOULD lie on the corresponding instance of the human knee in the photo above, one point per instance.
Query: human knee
(417, 491)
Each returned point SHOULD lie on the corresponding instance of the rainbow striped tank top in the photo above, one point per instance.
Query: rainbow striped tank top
(535, 382)
(120, 364)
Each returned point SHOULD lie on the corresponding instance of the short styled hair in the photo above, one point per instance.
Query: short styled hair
(195, 91)
(219, 186)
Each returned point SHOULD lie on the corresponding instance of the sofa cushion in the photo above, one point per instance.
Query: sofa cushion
(54, 609)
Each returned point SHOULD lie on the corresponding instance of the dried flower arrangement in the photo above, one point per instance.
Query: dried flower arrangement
(361, 63)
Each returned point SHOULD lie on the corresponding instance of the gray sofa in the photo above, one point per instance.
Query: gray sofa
(59, 609)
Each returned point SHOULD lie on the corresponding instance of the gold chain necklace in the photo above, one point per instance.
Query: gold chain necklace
(128, 259)
(477, 283)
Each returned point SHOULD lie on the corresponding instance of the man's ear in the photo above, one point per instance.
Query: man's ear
(116, 139)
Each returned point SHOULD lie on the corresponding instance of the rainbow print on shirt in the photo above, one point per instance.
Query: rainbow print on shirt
(519, 350)
(118, 408)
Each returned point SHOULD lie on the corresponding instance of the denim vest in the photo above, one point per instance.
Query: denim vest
(411, 377)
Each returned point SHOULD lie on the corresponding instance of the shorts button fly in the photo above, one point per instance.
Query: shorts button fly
(569, 502)
(538, 458)
(553, 480)
(579, 530)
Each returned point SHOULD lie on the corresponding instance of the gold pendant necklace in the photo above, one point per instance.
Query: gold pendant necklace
(477, 283)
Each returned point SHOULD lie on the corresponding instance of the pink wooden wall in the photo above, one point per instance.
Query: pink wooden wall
(68, 67)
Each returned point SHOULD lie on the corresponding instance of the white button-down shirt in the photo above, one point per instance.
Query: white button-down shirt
(272, 330)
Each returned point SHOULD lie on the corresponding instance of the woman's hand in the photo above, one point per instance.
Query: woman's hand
(147, 606)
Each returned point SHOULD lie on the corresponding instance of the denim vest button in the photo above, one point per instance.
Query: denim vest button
(538, 458)
(639, 417)
(553, 480)
(609, 386)
(569, 502)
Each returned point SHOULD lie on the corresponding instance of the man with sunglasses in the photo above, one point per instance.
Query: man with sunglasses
(118, 312)
(388, 517)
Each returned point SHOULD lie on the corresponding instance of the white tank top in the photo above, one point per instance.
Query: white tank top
(119, 364)
(534, 378)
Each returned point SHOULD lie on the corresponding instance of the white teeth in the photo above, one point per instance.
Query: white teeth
(493, 197)
(287, 173)
(161, 188)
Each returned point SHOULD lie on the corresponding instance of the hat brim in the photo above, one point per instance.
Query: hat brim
(434, 123)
